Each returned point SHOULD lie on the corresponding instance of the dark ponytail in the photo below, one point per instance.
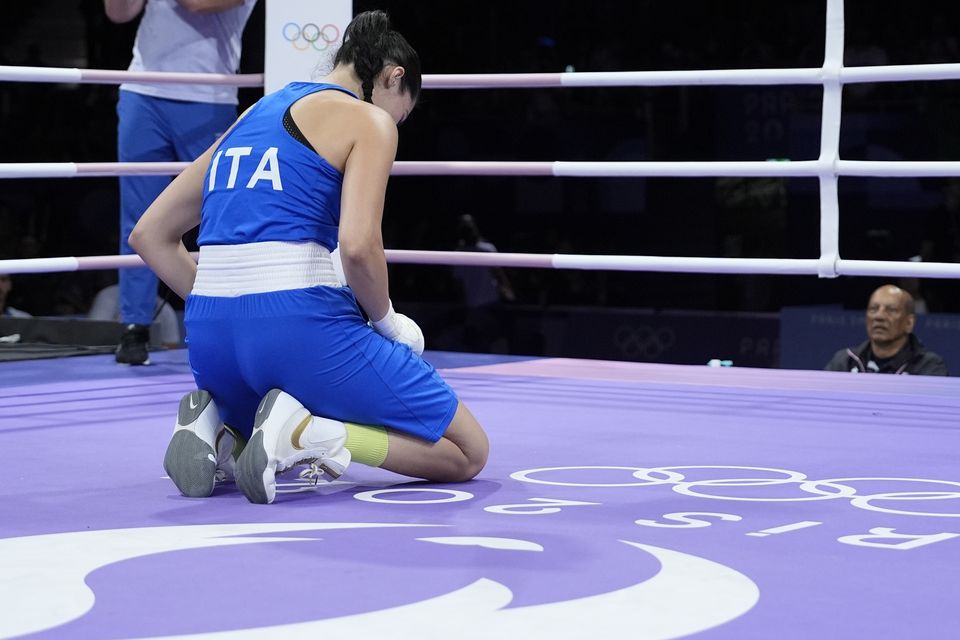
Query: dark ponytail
(370, 44)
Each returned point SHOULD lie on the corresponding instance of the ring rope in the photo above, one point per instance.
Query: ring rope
(570, 79)
(74, 75)
(755, 266)
(561, 169)
(827, 168)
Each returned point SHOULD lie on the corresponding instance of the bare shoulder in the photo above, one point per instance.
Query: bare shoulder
(335, 124)
(373, 123)
(372, 130)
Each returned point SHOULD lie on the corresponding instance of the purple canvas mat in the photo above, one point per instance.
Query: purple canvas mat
(782, 461)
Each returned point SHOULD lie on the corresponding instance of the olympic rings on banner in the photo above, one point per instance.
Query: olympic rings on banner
(311, 35)
(643, 341)
(712, 488)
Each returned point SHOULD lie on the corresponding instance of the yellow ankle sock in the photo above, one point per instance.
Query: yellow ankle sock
(367, 445)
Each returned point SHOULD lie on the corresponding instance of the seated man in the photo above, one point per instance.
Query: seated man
(891, 347)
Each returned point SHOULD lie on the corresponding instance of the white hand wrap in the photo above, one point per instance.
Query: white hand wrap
(399, 328)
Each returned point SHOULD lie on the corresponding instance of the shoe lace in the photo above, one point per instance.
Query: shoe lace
(312, 473)
(220, 475)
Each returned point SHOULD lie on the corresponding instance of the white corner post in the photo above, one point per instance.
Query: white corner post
(830, 142)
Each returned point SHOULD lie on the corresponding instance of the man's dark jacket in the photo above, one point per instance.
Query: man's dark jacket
(913, 359)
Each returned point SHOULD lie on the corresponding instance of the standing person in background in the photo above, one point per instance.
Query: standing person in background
(484, 290)
(891, 346)
(168, 122)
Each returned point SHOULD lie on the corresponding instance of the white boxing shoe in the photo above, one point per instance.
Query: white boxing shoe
(203, 451)
(285, 434)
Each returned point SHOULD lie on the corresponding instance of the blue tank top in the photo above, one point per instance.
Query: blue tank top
(264, 185)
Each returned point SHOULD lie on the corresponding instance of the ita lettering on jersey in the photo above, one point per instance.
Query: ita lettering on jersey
(267, 169)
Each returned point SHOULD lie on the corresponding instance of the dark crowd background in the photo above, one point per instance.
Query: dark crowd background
(881, 219)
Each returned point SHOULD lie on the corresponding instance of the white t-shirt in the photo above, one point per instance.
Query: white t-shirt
(170, 38)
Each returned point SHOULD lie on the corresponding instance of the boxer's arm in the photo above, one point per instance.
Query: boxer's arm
(366, 172)
(158, 235)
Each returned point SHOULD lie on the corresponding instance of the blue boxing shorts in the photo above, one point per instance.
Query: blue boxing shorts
(314, 344)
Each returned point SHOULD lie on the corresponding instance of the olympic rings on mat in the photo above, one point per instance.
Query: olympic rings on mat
(712, 488)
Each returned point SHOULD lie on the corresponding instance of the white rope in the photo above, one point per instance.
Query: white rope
(38, 169)
(754, 266)
(827, 168)
(755, 169)
(106, 76)
(889, 268)
(40, 74)
(101, 169)
(771, 266)
(573, 79)
(900, 73)
(39, 265)
(895, 169)
(803, 168)
(704, 77)
(700, 77)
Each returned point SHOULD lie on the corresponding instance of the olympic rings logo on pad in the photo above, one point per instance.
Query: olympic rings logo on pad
(643, 341)
(310, 35)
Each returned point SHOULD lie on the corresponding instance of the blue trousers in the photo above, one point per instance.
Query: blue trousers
(315, 345)
(156, 130)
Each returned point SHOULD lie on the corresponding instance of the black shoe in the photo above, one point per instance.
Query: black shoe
(133, 345)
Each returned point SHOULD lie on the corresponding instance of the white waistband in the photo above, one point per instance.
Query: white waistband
(227, 271)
